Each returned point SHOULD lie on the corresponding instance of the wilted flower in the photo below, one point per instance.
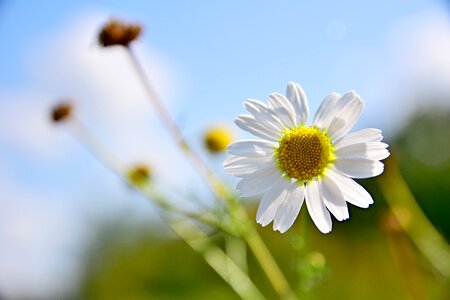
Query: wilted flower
(118, 33)
(61, 112)
(295, 162)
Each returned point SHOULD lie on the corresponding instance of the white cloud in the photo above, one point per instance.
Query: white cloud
(413, 69)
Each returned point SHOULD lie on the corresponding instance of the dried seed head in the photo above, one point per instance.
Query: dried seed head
(118, 33)
(61, 112)
(139, 175)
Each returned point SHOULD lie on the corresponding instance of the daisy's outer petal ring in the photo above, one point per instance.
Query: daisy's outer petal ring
(241, 166)
(316, 207)
(371, 150)
(283, 109)
(359, 167)
(347, 111)
(323, 114)
(334, 199)
(297, 97)
(362, 136)
(288, 211)
(250, 186)
(251, 148)
(271, 201)
(352, 191)
(263, 114)
(249, 124)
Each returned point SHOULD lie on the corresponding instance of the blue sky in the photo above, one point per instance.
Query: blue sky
(205, 58)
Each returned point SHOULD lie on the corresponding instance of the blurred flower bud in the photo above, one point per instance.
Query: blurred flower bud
(139, 175)
(118, 33)
(61, 112)
(217, 139)
(317, 260)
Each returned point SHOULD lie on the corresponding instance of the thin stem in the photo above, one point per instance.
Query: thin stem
(166, 119)
(219, 261)
(104, 156)
(255, 242)
(411, 217)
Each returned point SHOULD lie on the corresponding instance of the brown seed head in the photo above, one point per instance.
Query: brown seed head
(118, 33)
(61, 112)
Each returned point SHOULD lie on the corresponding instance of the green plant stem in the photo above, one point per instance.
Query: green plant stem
(264, 257)
(255, 242)
(412, 219)
(219, 261)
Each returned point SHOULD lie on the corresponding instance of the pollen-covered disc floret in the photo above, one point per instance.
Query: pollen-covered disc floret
(304, 152)
(293, 163)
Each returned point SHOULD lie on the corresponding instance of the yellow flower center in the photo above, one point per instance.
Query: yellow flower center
(304, 152)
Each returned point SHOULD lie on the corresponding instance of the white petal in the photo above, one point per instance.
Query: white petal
(263, 114)
(353, 192)
(371, 150)
(250, 186)
(347, 112)
(271, 200)
(288, 211)
(283, 109)
(242, 166)
(316, 207)
(249, 124)
(297, 97)
(252, 148)
(363, 136)
(334, 199)
(323, 114)
(359, 167)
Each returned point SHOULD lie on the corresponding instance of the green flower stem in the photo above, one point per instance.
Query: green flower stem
(172, 127)
(264, 257)
(217, 259)
(236, 249)
(255, 242)
(412, 219)
(103, 155)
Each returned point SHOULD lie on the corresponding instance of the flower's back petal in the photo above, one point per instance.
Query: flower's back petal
(316, 207)
(249, 124)
(250, 186)
(353, 192)
(271, 201)
(371, 150)
(263, 114)
(297, 97)
(363, 136)
(251, 148)
(359, 167)
(334, 199)
(347, 112)
(283, 109)
(288, 211)
(242, 166)
(323, 114)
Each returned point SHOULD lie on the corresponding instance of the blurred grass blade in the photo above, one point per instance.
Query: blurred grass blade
(217, 259)
(411, 217)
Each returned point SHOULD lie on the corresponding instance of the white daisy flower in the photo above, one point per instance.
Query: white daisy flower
(295, 162)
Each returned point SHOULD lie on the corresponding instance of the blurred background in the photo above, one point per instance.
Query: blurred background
(70, 229)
